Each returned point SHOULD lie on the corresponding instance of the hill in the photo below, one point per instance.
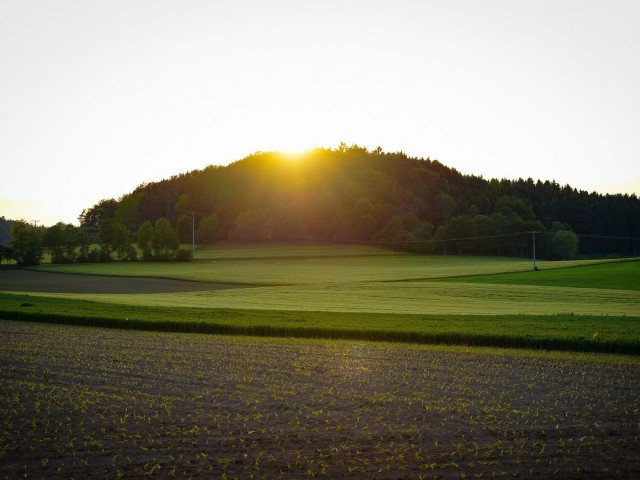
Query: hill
(350, 194)
(5, 229)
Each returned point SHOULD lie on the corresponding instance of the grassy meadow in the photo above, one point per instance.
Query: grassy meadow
(620, 275)
(614, 334)
(338, 291)
(341, 278)
(309, 264)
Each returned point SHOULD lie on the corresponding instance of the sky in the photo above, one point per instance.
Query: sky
(97, 97)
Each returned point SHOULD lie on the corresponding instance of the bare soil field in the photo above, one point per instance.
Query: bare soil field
(78, 402)
(33, 281)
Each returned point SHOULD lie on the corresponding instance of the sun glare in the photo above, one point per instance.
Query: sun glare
(292, 155)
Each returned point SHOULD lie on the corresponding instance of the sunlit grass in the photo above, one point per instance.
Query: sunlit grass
(312, 264)
(614, 276)
(395, 297)
(561, 332)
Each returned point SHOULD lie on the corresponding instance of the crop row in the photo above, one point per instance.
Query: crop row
(554, 332)
(76, 402)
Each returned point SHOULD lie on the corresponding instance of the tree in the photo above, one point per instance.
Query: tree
(508, 205)
(482, 228)
(5, 228)
(252, 226)
(184, 228)
(144, 239)
(127, 210)
(405, 228)
(461, 226)
(114, 238)
(445, 205)
(165, 240)
(83, 241)
(100, 211)
(182, 205)
(563, 243)
(7, 253)
(209, 230)
(60, 241)
(26, 243)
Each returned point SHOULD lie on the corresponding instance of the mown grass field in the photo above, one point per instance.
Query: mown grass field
(610, 276)
(335, 291)
(615, 334)
(306, 265)
(341, 278)
(395, 297)
(95, 403)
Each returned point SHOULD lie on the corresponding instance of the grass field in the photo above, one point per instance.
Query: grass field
(518, 379)
(342, 278)
(334, 264)
(88, 403)
(359, 292)
(611, 276)
(395, 297)
(565, 332)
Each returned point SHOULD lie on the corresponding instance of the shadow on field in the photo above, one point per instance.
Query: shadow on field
(29, 281)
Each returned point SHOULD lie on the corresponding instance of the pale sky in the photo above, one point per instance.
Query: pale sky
(97, 97)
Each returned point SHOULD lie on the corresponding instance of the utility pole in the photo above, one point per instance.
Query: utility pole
(193, 232)
(533, 240)
(35, 223)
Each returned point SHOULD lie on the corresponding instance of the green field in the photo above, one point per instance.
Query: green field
(321, 361)
(337, 291)
(610, 276)
(330, 264)
(395, 297)
(366, 279)
(565, 332)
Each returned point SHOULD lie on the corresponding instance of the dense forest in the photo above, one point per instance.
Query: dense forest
(351, 194)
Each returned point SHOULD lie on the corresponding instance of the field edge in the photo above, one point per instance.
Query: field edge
(146, 319)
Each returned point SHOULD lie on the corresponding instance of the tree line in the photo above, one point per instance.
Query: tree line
(351, 194)
(348, 194)
(110, 241)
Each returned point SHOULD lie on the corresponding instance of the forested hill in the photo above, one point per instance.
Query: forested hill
(352, 194)
(5, 229)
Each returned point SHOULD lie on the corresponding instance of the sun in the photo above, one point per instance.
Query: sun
(292, 155)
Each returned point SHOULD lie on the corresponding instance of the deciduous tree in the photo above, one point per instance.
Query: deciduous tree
(165, 240)
(26, 243)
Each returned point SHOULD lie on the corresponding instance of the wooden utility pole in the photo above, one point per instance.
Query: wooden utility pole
(193, 231)
(533, 244)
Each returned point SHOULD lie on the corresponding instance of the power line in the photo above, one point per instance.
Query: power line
(434, 240)
(605, 236)
(498, 235)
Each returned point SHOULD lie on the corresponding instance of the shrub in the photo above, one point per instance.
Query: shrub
(184, 255)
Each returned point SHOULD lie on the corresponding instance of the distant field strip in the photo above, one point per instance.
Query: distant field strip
(335, 291)
(612, 334)
(395, 297)
(315, 270)
(32, 281)
(302, 251)
(615, 276)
